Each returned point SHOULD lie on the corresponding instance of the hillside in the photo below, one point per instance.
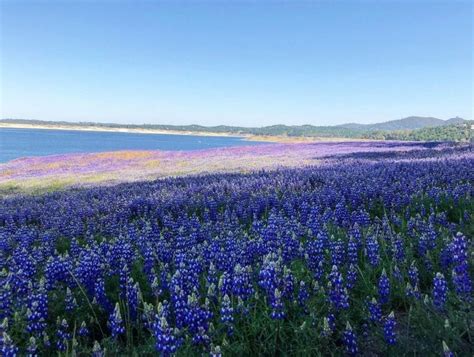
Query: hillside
(405, 128)
(409, 123)
(460, 132)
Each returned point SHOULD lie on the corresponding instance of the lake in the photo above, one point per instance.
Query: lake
(16, 143)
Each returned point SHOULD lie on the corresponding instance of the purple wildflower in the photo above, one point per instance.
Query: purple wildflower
(440, 291)
(389, 329)
(350, 341)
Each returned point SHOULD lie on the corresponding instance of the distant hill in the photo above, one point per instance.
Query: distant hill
(409, 123)
(459, 132)
(398, 127)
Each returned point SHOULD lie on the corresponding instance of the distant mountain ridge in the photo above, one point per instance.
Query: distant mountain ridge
(350, 130)
(409, 123)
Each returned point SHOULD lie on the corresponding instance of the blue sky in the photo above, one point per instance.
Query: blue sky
(237, 63)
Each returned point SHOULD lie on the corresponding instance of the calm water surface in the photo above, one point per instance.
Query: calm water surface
(16, 143)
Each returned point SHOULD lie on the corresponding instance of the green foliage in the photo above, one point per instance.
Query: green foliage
(456, 132)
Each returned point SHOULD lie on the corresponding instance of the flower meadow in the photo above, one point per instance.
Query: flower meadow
(81, 170)
(367, 253)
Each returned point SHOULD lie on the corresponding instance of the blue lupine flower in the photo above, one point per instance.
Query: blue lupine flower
(288, 283)
(327, 328)
(440, 291)
(413, 274)
(337, 292)
(278, 312)
(351, 276)
(166, 341)
(100, 295)
(242, 283)
(70, 301)
(303, 296)
(350, 340)
(5, 299)
(397, 274)
(83, 330)
(8, 349)
(398, 249)
(375, 310)
(389, 329)
(227, 314)
(461, 277)
(116, 322)
(32, 348)
(373, 250)
(62, 335)
(132, 296)
(337, 252)
(384, 287)
(412, 292)
(352, 250)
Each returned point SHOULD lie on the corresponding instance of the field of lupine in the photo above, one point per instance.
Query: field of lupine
(368, 253)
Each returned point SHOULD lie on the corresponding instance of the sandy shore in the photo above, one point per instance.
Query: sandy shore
(114, 130)
(247, 137)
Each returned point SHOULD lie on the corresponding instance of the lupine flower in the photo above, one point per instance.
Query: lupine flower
(375, 310)
(350, 340)
(70, 301)
(100, 295)
(288, 283)
(389, 329)
(413, 275)
(227, 314)
(384, 287)
(116, 322)
(278, 312)
(166, 340)
(461, 278)
(412, 292)
(327, 327)
(83, 330)
(397, 274)
(373, 250)
(32, 348)
(37, 312)
(337, 252)
(62, 335)
(337, 293)
(303, 295)
(242, 284)
(46, 341)
(440, 291)
(352, 250)
(5, 300)
(132, 296)
(398, 249)
(351, 276)
(8, 348)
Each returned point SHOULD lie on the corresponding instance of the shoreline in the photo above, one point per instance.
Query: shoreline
(244, 137)
(115, 130)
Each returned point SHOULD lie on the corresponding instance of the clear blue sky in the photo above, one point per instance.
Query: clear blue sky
(241, 63)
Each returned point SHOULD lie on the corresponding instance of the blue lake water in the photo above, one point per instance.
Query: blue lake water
(16, 143)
